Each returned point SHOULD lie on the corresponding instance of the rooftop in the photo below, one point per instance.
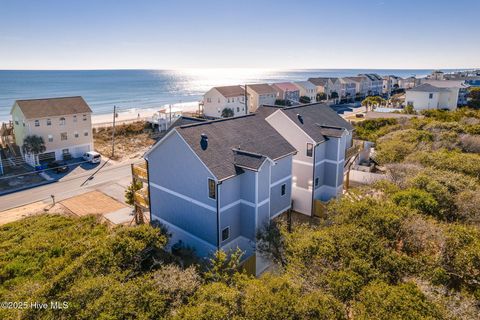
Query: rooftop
(51, 107)
(285, 86)
(231, 91)
(426, 87)
(261, 88)
(317, 120)
(233, 143)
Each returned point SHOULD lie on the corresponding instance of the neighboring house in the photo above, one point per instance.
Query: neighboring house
(436, 75)
(287, 91)
(390, 83)
(407, 83)
(347, 89)
(321, 84)
(65, 125)
(361, 86)
(260, 94)
(321, 137)
(452, 85)
(307, 89)
(215, 184)
(374, 84)
(427, 96)
(219, 98)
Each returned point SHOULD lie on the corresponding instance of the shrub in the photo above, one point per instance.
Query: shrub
(417, 199)
(470, 143)
(405, 301)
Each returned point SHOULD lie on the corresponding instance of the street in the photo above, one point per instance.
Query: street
(68, 187)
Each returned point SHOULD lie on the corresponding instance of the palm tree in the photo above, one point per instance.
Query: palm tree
(371, 101)
(33, 145)
(227, 113)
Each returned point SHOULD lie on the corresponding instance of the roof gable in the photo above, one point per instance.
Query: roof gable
(51, 107)
(230, 91)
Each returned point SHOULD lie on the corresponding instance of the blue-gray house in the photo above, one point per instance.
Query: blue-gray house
(213, 184)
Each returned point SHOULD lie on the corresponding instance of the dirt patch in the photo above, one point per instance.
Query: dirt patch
(131, 140)
(94, 202)
(32, 209)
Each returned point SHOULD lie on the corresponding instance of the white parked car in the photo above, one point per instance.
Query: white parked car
(92, 157)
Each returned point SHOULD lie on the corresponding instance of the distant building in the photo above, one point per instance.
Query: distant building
(347, 89)
(361, 86)
(436, 75)
(374, 84)
(428, 96)
(228, 97)
(287, 91)
(407, 83)
(390, 83)
(215, 184)
(260, 94)
(321, 84)
(65, 125)
(307, 89)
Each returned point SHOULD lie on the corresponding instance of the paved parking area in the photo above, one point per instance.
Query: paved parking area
(75, 166)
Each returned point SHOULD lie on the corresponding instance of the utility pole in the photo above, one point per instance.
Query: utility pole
(246, 96)
(170, 113)
(113, 131)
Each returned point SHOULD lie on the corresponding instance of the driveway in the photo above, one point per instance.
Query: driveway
(75, 166)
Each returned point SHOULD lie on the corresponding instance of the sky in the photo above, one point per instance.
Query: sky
(292, 34)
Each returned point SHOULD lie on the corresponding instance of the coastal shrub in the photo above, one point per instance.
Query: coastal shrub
(382, 301)
(455, 161)
(416, 199)
(372, 129)
(470, 143)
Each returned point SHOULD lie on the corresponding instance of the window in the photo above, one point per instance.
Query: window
(212, 194)
(238, 109)
(50, 138)
(84, 117)
(430, 96)
(37, 123)
(225, 233)
(65, 151)
(85, 133)
(209, 99)
(284, 189)
(16, 121)
(309, 149)
(49, 122)
(316, 182)
(62, 121)
(76, 134)
(75, 118)
(63, 136)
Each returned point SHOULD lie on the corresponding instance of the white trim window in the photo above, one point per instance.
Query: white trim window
(63, 136)
(62, 121)
(50, 138)
(283, 190)
(74, 118)
(226, 233)
(212, 191)
(85, 134)
(49, 122)
(76, 134)
(37, 123)
(309, 149)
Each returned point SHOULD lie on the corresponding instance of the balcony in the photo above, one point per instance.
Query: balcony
(141, 198)
(139, 171)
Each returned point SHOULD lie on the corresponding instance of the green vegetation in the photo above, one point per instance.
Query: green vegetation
(321, 96)
(474, 98)
(130, 192)
(227, 113)
(407, 248)
(305, 99)
(373, 101)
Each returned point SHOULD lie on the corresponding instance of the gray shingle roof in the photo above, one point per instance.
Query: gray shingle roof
(426, 87)
(235, 142)
(51, 107)
(319, 120)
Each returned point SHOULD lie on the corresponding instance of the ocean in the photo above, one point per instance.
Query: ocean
(148, 89)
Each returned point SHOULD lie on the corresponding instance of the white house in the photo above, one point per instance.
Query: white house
(451, 84)
(65, 125)
(427, 96)
(307, 89)
(260, 94)
(217, 99)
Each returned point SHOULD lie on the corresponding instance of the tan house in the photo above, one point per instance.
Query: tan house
(260, 94)
(65, 125)
(217, 99)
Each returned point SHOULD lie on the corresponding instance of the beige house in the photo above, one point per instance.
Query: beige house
(307, 89)
(65, 125)
(217, 99)
(260, 94)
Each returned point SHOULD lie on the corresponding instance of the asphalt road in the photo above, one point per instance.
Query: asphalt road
(69, 186)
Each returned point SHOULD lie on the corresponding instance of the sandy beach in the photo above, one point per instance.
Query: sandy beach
(130, 115)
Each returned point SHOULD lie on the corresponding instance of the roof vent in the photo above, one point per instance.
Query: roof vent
(300, 118)
(204, 141)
